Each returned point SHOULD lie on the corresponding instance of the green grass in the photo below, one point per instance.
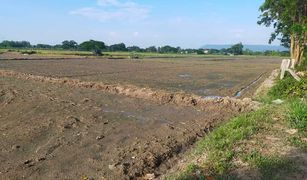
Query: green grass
(270, 167)
(219, 145)
(297, 114)
(192, 172)
(3, 50)
(289, 88)
(298, 142)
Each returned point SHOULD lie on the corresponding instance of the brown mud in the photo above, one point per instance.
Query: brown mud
(55, 130)
(162, 97)
(57, 127)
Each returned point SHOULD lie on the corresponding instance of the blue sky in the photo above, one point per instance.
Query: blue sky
(185, 23)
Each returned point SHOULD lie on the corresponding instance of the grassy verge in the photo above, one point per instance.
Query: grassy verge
(220, 147)
(269, 166)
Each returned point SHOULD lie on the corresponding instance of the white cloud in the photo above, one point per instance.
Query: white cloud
(107, 10)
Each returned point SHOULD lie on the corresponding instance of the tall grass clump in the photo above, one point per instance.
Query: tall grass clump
(297, 114)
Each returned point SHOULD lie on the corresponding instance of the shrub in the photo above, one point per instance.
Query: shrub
(28, 52)
(97, 52)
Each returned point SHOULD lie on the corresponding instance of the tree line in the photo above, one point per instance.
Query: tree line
(97, 47)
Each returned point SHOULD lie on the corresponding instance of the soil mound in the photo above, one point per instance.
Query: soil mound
(159, 96)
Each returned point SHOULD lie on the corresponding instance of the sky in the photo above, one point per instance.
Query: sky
(184, 23)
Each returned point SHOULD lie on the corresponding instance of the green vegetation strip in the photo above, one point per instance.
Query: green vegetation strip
(219, 146)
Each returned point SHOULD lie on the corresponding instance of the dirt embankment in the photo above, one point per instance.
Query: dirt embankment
(268, 83)
(159, 96)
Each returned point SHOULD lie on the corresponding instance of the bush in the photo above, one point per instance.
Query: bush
(97, 52)
(288, 88)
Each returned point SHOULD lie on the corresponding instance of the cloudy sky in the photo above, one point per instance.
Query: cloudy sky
(185, 23)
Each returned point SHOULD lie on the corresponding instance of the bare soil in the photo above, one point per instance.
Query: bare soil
(113, 119)
(58, 131)
(200, 76)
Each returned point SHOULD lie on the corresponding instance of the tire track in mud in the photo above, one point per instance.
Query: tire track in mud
(158, 96)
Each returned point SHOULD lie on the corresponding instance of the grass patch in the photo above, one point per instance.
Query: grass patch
(236, 129)
(297, 114)
(192, 172)
(218, 145)
(289, 88)
(298, 142)
(270, 167)
(3, 51)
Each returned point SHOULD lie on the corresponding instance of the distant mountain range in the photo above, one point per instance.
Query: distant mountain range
(259, 48)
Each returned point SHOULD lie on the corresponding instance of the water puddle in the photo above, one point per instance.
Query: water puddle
(239, 93)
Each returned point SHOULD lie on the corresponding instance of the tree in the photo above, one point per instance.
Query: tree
(169, 49)
(289, 19)
(43, 46)
(92, 45)
(151, 49)
(236, 49)
(69, 44)
(15, 44)
(118, 47)
(134, 49)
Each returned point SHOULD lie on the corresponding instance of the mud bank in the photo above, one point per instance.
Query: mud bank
(158, 96)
